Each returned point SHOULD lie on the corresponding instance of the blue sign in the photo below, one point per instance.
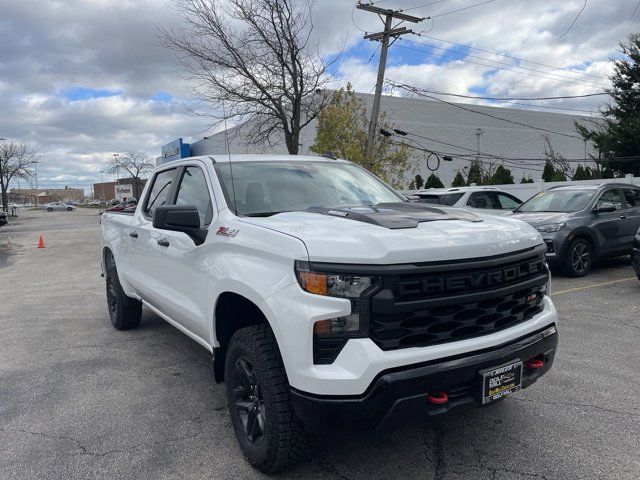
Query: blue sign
(174, 151)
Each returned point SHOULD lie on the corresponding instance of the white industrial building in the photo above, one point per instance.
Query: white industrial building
(517, 136)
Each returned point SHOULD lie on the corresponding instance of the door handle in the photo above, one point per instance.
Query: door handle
(163, 242)
(133, 234)
(623, 216)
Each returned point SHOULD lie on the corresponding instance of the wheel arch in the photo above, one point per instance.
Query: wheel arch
(581, 233)
(232, 312)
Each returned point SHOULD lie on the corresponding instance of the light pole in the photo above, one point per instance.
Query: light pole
(35, 168)
(116, 155)
(101, 185)
(478, 133)
(2, 139)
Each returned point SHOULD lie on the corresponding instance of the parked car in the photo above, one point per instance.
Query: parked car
(488, 199)
(581, 223)
(635, 254)
(50, 207)
(328, 300)
(3, 218)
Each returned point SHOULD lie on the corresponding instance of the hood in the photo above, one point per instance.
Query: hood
(450, 234)
(540, 218)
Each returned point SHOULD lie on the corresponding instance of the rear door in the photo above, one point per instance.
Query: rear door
(609, 226)
(632, 214)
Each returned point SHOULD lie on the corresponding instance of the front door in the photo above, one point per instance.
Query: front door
(609, 225)
(183, 263)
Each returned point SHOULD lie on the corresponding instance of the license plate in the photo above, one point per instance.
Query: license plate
(501, 381)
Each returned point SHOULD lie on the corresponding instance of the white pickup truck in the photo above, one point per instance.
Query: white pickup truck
(327, 298)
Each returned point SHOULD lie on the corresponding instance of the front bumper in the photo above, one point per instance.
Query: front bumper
(398, 396)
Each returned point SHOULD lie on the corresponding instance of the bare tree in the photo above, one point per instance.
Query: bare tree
(16, 159)
(558, 160)
(254, 63)
(134, 163)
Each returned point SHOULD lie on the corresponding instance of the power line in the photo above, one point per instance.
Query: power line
(515, 58)
(423, 5)
(365, 65)
(455, 105)
(461, 9)
(561, 97)
(493, 67)
(466, 55)
(574, 21)
(635, 10)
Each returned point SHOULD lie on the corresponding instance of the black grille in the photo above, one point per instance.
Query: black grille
(456, 302)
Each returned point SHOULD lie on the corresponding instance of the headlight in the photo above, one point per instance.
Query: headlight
(550, 228)
(332, 284)
(354, 287)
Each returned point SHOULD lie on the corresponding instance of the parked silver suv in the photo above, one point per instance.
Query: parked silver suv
(580, 223)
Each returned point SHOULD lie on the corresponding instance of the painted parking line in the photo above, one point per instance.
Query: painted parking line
(593, 285)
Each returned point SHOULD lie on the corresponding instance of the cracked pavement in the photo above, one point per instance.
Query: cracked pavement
(80, 400)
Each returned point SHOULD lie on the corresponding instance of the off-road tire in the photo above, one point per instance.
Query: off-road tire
(575, 267)
(284, 440)
(125, 312)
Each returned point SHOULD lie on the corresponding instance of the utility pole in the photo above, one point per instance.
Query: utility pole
(383, 37)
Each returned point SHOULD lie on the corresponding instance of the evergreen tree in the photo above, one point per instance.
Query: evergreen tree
(619, 134)
(458, 180)
(434, 182)
(581, 173)
(548, 172)
(526, 180)
(475, 173)
(558, 176)
(419, 181)
(502, 176)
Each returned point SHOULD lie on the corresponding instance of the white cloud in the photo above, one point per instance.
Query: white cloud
(50, 47)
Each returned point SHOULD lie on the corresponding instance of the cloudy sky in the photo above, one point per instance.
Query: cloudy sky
(82, 79)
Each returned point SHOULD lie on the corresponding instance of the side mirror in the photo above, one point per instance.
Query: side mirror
(180, 218)
(605, 208)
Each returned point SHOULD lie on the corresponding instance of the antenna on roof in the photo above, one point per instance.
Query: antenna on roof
(329, 154)
(226, 141)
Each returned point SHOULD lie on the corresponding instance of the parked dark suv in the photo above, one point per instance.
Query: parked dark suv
(580, 223)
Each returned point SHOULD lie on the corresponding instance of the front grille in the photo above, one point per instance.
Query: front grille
(456, 302)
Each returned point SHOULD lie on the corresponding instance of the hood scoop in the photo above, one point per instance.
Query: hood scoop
(396, 215)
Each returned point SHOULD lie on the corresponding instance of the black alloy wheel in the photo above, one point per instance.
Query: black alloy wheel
(249, 401)
(579, 258)
(112, 298)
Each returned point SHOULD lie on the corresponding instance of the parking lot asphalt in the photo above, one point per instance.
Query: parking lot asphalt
(80, 400)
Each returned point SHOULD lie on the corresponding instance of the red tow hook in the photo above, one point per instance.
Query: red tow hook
(438, 398)
(535, 363)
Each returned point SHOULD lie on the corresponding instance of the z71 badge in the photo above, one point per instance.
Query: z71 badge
(227, 232)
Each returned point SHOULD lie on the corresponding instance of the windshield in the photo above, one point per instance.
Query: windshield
(267, 188)
(558, 201)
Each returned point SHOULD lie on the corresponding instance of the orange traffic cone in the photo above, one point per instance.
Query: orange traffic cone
(41, 242)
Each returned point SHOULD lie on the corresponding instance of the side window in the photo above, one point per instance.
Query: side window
(482, 200)
(632, 196)
(611, 196)
(193, 191)
(159, 192)
(507, 202)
